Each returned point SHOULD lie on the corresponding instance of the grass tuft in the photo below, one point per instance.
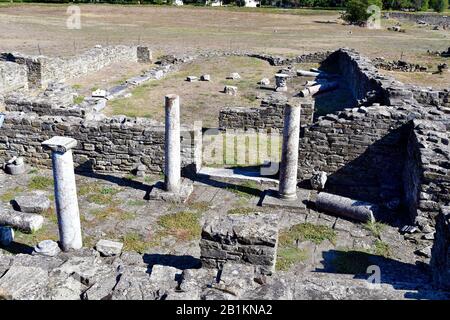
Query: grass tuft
(288, 256)
(241, 210)
(40, 183)
(183, 225)
(307, 231)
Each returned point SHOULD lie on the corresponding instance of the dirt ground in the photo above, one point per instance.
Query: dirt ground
(24, 27)
(42, 29)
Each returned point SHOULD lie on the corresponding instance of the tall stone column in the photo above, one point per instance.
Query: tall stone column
(65, 192)
(172, 172)
(289, 152)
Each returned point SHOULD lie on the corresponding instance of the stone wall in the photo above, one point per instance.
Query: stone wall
(12, 76)
(362, 150)
(434, 19)
(427, 186)
(117, 144)
(41, 70)
(268, 115)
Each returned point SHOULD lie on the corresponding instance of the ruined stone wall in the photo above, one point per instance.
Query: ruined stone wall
(42, 70)
(268, 115)
(12, 76)
(434, 19)
(427, 190)
(362, 150)
(116, 144)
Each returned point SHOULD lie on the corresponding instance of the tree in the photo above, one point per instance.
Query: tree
(440, 5)
(423, 5)
(356, 10)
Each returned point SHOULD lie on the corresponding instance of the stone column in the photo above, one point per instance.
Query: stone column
(172, 172)
(65, 192)
(281, 82)
(289, 152)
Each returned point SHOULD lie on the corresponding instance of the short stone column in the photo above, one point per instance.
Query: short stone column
(281, 82)
(65, 192)
(289, 152)
(172, 165)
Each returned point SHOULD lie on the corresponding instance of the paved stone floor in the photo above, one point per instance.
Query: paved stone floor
(161, 234)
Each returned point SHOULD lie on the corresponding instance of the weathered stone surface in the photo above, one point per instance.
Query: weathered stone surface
(234, 76)
(135, 284)
(230, 90)
(159, 192)
(318, 180)
(27, 222)
(109, 248)
(36, 202)
(24, 283)
(47, 248)
(247, 239)
(346, 207)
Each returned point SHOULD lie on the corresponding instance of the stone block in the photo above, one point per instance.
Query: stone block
(109, 248)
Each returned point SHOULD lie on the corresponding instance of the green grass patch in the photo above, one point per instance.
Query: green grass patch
(40, 183)
(376, 228)
(382, 249)
(133, 241)
(307, 231)
(183, 225)
(78, 99)
(31, 239)
(10, 194)
(287, 257)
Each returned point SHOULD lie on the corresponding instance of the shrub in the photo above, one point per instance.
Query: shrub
(356, 10)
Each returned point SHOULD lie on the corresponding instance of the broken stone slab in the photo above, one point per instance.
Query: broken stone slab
(234, 76)
(191, 78)
(36, 202)
(135, 284)
(230, 90)
(318, 180)
(6, 236)
(264, 82)
(235, 279)
(109, 248)
(167, 278)
(27, 222)
(159, 192)
(99, 93)
(24, 283)
(349, 208)
(48, 248)
(205, 77)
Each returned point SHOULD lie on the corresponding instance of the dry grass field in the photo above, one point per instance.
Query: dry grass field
(188, 28)
(42, 28)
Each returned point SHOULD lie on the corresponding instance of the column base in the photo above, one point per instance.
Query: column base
(271, 198)
(158, 192)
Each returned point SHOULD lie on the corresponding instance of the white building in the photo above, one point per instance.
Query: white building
(214, 3)
(251, 3)
(178, 2)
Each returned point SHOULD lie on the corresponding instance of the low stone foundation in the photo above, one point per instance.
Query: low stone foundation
(41, 69)
(246, 239)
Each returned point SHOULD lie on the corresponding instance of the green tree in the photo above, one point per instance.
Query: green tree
(356, 10)
(440, 5)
